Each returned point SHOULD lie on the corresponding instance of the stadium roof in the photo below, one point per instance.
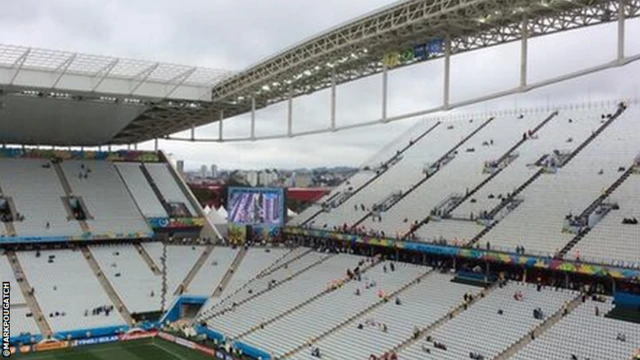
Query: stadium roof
(147, 100)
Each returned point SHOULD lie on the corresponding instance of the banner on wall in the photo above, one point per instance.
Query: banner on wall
(54, 345)
(478, 254)
(174, 223)
(419, 52)
(95, 341)
(122, 155)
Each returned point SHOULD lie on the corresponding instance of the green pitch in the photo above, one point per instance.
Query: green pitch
(153, 349)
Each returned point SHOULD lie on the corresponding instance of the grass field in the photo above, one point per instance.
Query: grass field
(153, 349)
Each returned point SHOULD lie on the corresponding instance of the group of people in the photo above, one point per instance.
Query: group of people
(630, 221)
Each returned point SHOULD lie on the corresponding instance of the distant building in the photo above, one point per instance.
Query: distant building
(302, 180)
(267, 178)
(214, 171)
(203, 171)
(180, 166)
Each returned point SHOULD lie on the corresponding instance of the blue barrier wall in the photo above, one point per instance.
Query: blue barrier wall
(174, 311)
(251, 351)
(82, 333)
(213, 335)
(628, 300)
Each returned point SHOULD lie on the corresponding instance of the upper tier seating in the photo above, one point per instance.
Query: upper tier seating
(458, 176)
(130, 276)
(168, 186)
(106, 198)
(421, 305)
(621, 241)
(586, 336)
(352, 184)
(481, 330)
(331, 309)
(37, 194)
(140, 189)
(537, 223)
(56, 283)
(551, 136)
(401, 176)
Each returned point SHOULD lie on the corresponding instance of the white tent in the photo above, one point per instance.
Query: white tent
(207, 209)
(291, 213)
(223, 212)
(216, 218)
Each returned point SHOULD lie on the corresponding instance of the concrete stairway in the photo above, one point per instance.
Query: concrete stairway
(363, 270)
(541, 329)
(229, 274)
(184, 285)
(148, 259)
(106, 285)
(358, 315)
(25, 287)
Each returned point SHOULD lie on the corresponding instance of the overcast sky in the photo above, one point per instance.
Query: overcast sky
(233, 34)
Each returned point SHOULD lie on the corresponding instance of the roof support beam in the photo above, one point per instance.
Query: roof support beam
(220, 129)
(63, 69)
(143, 75)
(447, 73)
(104, 72)
(181, 78)
(385, 80)
(253, 117)
(524, 52)
(18, 65)
(332, 120)
(621, 23)
(290, 113)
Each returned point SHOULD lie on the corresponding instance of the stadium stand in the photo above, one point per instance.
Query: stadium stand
(492, 324)
(168, 187)
(140, 189)
(266, 282)
(37, 194)
(422, 304)
(138, 287)
(314, 319)
(7, 275)
(269, 305)
(509, 180)
(211, 273)
(458, 175)
(254, 262)
(112, 209)
(400, 176)
(612, 233)
(583, 335)
(180, 259)
(54, 275)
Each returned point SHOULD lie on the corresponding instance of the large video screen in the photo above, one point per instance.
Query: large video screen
(256, 206)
